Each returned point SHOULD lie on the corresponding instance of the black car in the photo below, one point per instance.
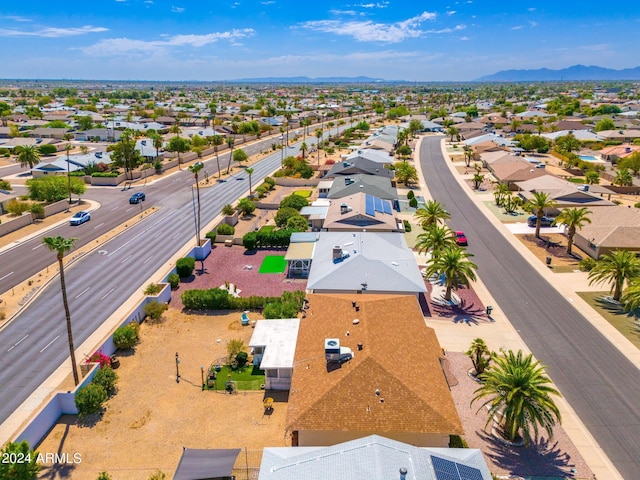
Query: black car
(545, 222)
(137, 197)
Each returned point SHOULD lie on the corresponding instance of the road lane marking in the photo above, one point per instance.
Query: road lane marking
(83, 292)
(2, 278)
(177, 235)
(17, 343)
(114, 208)
(126, 259)
(98, 226)
(38, 246)
(107, 294)
(49, 344)
(157, 235)
(129, 209)
(148, 259)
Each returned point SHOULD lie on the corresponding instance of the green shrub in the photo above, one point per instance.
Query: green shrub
(636, 205)
(456, 441)
(250, 240)
(228, 210)
(294, 201)
(261, 191)
(270, 182)
(5, 185)
(37, 209)
(158, 475)
(587, 264)
(79, 173)
(153, 289)
(185, 266)
(283, 214)
(225, 229)
(413, 203)
(26, 469)
(297, 223)
(241, 359)
(174, 280)
(89, 399)
(211, 236)
(104, 476)
(47, 149)
(410, 195)
(105, 174)
(106, 378)
(16, 208)
(407, 225)
(126, 337)
(54, 188)
(155, 309)
(246, 206)
(220, 299)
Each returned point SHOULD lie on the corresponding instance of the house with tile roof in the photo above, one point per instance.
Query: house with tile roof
(611, 228)
(509, 169)
(394, 384)
(373, 457)
(614, 153)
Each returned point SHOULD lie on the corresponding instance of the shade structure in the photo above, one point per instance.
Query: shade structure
(205, 464)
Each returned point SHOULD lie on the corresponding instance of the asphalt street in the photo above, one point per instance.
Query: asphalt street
(599, 382)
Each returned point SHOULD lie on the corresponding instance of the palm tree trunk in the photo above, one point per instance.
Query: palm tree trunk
(72, 351)
(198, 198)
(447, 293)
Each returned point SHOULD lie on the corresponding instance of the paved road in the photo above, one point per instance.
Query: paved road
(600, 383)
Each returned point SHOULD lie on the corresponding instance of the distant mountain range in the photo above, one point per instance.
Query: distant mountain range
(575, 72)
(309, 80)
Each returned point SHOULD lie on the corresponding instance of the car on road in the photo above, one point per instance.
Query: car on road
(461, 238)
(79, 218)
(546, 221)
(137, 197)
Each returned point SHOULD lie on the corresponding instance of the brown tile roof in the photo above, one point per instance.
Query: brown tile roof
(400, 357)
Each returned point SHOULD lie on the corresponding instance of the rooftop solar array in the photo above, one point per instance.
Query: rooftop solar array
(375, 204)
(448, 470)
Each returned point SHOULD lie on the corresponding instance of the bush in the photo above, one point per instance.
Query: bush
(283, 215)
(407, 225)
(261, 191)
(153, 289)
(89, 399)
(106, 378)
(410, 195)
(174, 280)
(155, 309)
(5, 185)
(105, 174)
(225, 229)
(228, 210)
(413, 203)
(587, 264)
(456, 441)
(16, 207)
(37, 210)
(250, 241)
(636, 205)
(54, 188)
(27, 468)
(246, 206)
(270, 182)
(101, 358)
(220, 299)
(294, 201)
(126, 337)
(185, 266)
(297, 223)
(47, 149)
(241, 359)
(211, 236)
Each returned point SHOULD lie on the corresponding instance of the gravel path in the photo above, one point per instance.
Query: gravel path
(556, 458)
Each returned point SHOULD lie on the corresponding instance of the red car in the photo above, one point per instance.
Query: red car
(461, 238)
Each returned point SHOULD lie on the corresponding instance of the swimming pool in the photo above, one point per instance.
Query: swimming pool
(588, 158)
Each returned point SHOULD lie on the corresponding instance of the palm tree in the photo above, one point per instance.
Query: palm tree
(573, 218)
(28, 156)
(500, 191)
(631, 296)
(217, 140)
(319, 137)
(623, 178)
(432, 213)
(249, 172)
(539, 204)
(175, 128)
(453, 132)
(157, 143)
(453, 264)
(615, 268)
(435, 239)
(62, 245)
(230, 141)
(519, 396)
(195, 169)
(477, 179)
(303, 148)
(480, 355)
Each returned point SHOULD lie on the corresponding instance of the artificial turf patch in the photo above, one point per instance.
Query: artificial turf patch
(273, 264)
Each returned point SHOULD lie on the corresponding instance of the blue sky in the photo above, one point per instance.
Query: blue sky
(215, 40)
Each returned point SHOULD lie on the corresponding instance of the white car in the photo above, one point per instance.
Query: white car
(79, 218)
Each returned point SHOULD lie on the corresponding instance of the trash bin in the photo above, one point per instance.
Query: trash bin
(548, 260)
(489, 310)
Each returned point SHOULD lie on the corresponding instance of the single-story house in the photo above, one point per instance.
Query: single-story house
(359, 165)
(300, 253)
(614, 153)
(364, 262)
(377, 186)
(611, 228)
(360, 212)
(509, 169)
(100, 134)
(581, 135)
(368, 364)
(60, 166)
(48, 132)
(622, 135)
(273, 343)
(374, 155)
(373, 457)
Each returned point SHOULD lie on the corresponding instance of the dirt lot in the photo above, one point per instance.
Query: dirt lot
(560, 260)
(152, 417)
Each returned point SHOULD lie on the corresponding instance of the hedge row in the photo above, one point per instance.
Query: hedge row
(267, 239)
(288, 304)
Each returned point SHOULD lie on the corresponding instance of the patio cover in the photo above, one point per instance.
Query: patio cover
(205, 464)
(300, 251)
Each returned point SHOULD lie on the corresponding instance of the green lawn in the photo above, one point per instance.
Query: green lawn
(273, 264)
(267, 228)
(625, 322)
(246, 378)
(303, 193)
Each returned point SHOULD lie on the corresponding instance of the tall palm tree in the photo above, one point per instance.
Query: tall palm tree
(175, 128)
(573, 218)
(230, 141)
(623, 178)
(615, 269)
(453, 263)
(195, 169)
(217, 140)
(500, 191)
(518, 394)
(157, 143)
(319, 137)
(28, 156)
(303, 148)
(62, 245)
(432, 213)
(453, 132)
(250, 172)
(539, 204)
(435, 239)
(480, 355)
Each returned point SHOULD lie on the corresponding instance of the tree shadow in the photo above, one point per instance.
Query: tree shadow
(616, 308)
(464, 312)
(542, 459)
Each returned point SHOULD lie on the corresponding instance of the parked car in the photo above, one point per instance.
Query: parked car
(546, 221)
(79, 218)
(461, 238)
(137, 197)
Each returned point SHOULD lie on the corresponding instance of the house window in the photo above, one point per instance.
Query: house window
(285, 373)
(272, 373)
(592, 246)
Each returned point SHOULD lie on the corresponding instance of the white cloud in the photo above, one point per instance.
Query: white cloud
(16, 18)
(451, 12)
(447, 30)
(268, 2)
(177, 9)
(373, 5)
(123, 46)
(532, 9)
(533, 24)
(343, 12)
(517, 27)
(52, 32)
(464, 39)
(369, 31)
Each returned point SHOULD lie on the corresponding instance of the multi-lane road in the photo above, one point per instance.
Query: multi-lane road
(600, 383)
(34, 344)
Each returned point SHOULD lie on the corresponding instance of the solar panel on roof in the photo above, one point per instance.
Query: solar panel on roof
(469, 473)
(448, 470)
(369, 207)
(386, 206)
(378, 204)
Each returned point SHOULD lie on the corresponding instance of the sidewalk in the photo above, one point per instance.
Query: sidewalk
(502, 335)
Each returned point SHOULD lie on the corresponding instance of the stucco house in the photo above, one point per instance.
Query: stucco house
(273, 344)
(611, 228)
(359, 212)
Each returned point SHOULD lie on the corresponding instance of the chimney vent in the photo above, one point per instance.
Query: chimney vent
(403, 473)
